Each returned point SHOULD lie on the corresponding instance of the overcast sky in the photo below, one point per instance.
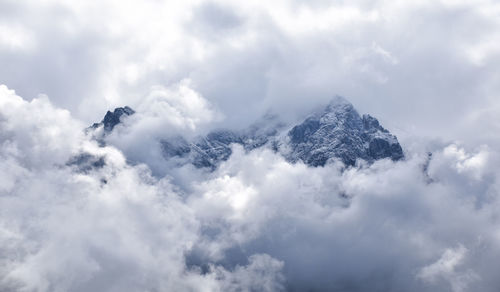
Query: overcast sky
(422, 67)
(428, 70)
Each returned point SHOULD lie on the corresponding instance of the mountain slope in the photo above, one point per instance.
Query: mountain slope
(340, 132)
(111, 119)
(210, 150)
(335, 132)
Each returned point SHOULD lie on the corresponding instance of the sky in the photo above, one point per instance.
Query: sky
(423, 67)
(428, 70)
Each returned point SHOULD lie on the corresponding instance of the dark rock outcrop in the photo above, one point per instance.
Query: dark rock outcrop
(111, 119)
(340, 132)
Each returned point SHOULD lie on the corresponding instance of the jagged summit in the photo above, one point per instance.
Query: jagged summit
(336, 131)
(339, 131)
(111, 119)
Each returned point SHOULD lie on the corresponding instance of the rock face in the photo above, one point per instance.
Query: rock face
(336, 132)
(85, 162)
(210, 150)
(206, 151)
(111, 119)
(340, 132)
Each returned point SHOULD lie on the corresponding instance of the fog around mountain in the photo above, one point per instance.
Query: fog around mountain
(258, 222)
(84, 210)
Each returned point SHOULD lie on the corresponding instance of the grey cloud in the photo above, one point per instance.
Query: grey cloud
(389, 223)
(110, 229)
(249, 58)
(428, 70)
(257, 222)
(211, 20)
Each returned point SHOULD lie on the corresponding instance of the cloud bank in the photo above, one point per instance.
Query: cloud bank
(258, 223)
(422, 67)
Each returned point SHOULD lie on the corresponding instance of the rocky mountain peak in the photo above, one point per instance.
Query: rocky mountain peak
(336, 131)
(111, 119)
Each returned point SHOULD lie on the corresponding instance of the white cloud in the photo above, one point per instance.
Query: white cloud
(446, 266)
(257, 222)
(164, 113)
(16, 38)
(109, 229)
(391, 58)
(428, 69)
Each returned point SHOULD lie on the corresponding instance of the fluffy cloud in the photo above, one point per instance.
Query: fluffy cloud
(109, 229)
(445, 268)
(164, 113)
(256, 223)
(361, 229)
(423, 67)
(428, 69)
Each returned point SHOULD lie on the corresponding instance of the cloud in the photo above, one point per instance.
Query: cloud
(12, 38)
(392, 59)
(445, 267)
(109, 229)
(263, 273)
(165, 112)
(352, 230)
(427, 69)
(256, 223)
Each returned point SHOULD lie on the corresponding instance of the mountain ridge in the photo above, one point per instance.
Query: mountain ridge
(337, 131)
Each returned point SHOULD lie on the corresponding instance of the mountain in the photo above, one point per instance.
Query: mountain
(334, 132)
(111, 119)
(339, 131)
(210, 150)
